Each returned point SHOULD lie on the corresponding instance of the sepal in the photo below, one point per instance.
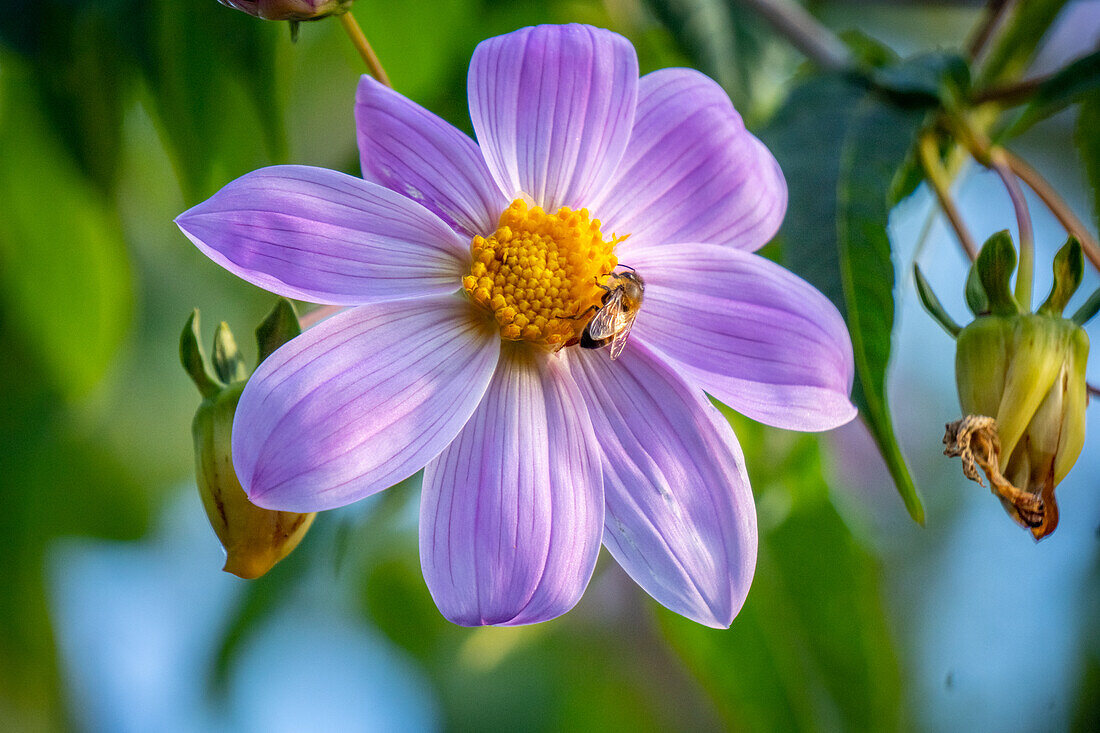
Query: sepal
(932, 304)
(194, 360)
(995, 265)
(1069, 268)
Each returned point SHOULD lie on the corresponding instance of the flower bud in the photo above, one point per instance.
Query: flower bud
(1021, 384)
(254, 538)
(293, 10)
(1027, 372)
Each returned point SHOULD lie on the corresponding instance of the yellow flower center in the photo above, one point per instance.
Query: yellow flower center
(538, 272)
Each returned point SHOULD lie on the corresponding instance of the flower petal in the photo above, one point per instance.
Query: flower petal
(512, 511)
(326, 237)
(406, 148)
(752, 334)
(692, 172)
(680, 515)
(552, 107)
(360, 401)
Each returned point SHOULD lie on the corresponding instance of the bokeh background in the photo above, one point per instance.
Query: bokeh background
(117, 115)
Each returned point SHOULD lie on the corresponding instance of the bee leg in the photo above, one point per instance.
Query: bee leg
(582, 313)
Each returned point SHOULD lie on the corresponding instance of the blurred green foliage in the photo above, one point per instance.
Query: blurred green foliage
(115, 115)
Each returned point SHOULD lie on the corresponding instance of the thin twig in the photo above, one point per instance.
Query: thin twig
(1026, 273)
(803, 30)
(995, 10)
(359, 39)
(1009, 95)
(941, 185)
(1094, 391)
(1057, 206)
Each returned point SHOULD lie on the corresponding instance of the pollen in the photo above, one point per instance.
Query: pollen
(540, 274)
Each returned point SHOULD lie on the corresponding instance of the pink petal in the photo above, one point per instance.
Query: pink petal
(512, 511)
(752, 334)
(552, 107)
(326, 237)
(692, 172)
(680, 514)
(361, 401)
(406, 148)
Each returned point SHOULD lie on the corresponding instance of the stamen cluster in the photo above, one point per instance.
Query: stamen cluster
(539, 272)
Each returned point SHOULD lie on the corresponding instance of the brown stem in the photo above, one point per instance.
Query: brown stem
(1094, 391)
(362, 45)
(1057, 206)
(804, 31)
(1009, 95)
(941, 185)
(994, 11)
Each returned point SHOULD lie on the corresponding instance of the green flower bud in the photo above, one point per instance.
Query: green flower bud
(254, 538)
(1027, 372)
(1021, 384)
(293, 10)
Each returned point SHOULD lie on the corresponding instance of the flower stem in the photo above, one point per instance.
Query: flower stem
(1057, 206)
(994, 11)
(359, 40)
(1009, 95)
(793, 22)
(1026, 273)
(941, 185)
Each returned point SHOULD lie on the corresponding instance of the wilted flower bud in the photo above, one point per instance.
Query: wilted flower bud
(289, 9)
(254, 538)
(1021, 383)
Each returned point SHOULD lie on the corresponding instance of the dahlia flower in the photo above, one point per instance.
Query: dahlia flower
(470, 271)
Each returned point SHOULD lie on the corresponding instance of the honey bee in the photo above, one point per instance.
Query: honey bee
(622, 299)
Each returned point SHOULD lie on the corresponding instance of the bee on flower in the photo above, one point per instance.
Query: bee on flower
(465, 265)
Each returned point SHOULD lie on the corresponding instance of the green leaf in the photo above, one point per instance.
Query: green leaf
(65, 279)
(1088, 145)
(810, 650)
(1059, 91)
(722, 39)
(1023, 29)
(198, 58)
(931, 78)
(835, 228)
(81, 78)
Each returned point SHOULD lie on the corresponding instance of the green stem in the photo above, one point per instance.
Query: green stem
(941, 185)
(1025, 275)
(362, 45)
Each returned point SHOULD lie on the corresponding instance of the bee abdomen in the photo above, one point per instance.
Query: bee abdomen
(587, 342)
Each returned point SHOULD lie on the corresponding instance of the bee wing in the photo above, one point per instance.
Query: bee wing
(619, 341)
(608, 319)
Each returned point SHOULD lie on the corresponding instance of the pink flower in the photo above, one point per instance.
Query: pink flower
(463, 269)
